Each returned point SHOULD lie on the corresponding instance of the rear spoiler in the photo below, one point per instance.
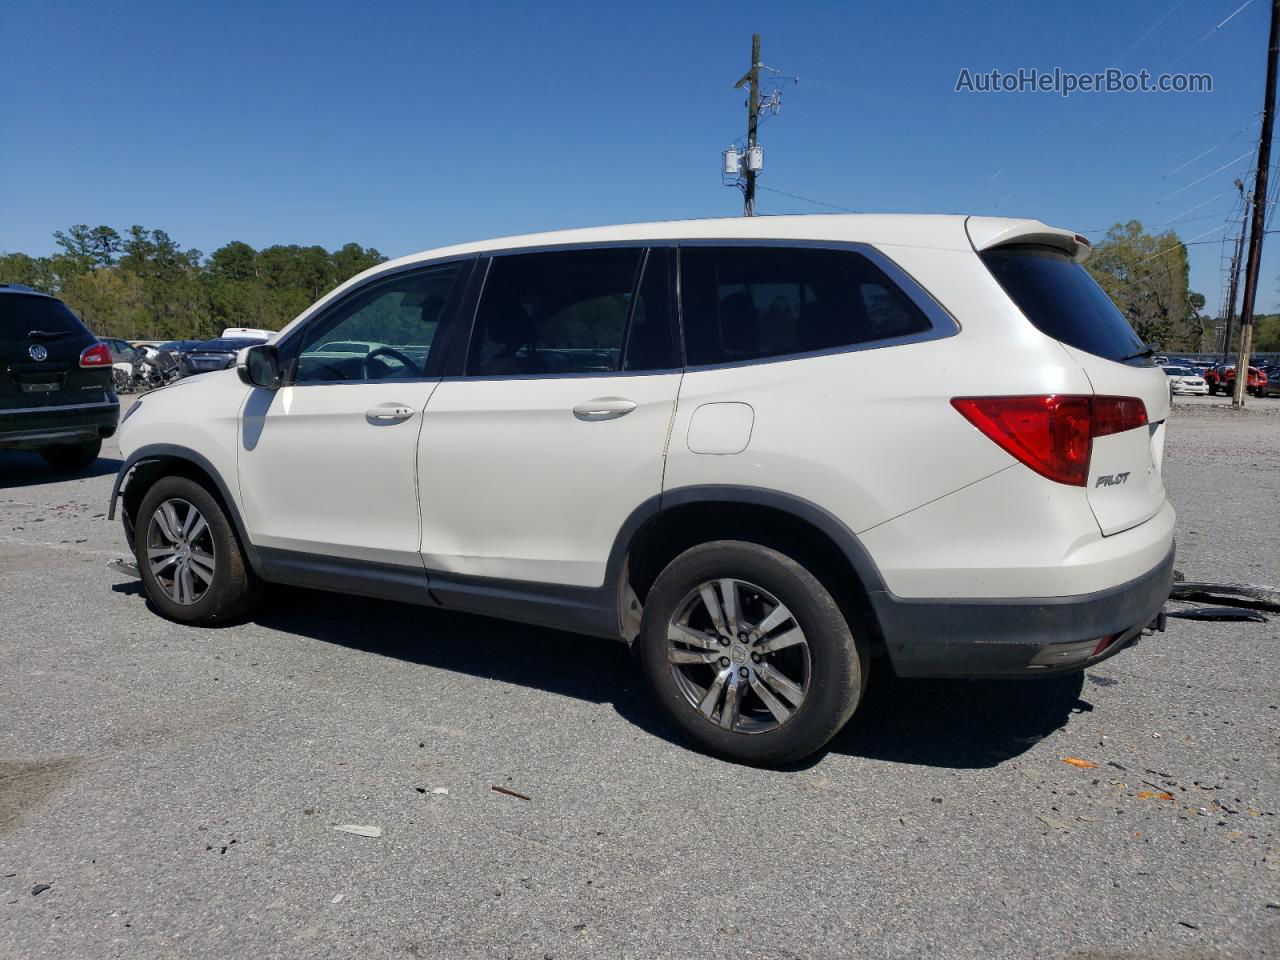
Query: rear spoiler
(986, 233)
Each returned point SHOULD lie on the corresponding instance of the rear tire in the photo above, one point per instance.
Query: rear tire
(189, 558)
(775, 688)
(72, 456)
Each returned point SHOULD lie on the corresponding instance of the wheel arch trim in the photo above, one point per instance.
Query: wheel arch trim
(173, 451)
(846, 540)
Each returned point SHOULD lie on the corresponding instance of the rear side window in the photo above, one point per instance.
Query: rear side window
(558, 312)
(1062, 301)
(749, 303)
(20, 314)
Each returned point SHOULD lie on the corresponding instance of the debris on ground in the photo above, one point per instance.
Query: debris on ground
(1078, 762)
(509, 793)
(359, 830)
(442, 791)
(1050, 822)
(337, 898)
(1218, 614)
(1247, 595)
(124, 565)
(40, 888)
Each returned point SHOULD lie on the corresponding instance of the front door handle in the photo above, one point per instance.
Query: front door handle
(604, 408)
(385, 413)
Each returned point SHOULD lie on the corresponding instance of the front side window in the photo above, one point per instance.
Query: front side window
(554, 313)
(384, 331)
(750, 303)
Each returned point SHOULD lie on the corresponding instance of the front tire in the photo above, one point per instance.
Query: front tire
(72, 456)
(190, 561)
(749, 653)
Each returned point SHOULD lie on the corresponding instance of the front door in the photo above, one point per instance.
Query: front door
(531, 463)
(328, 462)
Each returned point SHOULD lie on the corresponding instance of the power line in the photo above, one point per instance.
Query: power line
(1212, 31)
(796, 196)
(1229, 163)
(1150, 30)
(1211, 149)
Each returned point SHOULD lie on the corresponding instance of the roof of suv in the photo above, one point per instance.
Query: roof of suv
(944, 231)
(934, 231)
(28, 291)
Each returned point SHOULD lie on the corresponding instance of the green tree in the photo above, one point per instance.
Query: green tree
(1146, 276)
(144, 284)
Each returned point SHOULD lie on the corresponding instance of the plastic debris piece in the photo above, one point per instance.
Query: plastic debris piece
(509, 793)
(1154, 795)
(1077, 762)
(1050, 822)
(337, 898)
(1224, 614)
(1229, 594)
(124, 565)
(40, 888)
(440, 791)
(359, 830)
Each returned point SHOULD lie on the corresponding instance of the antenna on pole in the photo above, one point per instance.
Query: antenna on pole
(744, 161)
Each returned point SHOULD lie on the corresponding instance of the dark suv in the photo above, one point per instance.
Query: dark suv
(56, 393)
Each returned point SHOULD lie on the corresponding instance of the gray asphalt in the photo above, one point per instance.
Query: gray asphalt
(177, 788)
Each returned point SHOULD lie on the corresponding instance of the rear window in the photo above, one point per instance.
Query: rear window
(1062, 301)
(20, 314)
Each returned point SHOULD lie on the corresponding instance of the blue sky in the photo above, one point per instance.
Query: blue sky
(407, 126)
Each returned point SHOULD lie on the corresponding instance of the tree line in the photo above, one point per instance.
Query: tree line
(143, 285)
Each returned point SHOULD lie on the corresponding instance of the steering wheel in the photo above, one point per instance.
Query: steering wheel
(390, 352)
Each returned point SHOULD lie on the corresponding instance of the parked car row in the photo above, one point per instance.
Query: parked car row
(1200, 378)
(145, 365)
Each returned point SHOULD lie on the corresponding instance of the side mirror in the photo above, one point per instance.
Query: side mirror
(259, 366)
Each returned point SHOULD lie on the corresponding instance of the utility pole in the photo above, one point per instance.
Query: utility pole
(752, 77)
(1235, 272)
(1259, 211)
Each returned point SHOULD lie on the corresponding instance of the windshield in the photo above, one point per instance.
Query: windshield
(1062, 301)
(1179, 371)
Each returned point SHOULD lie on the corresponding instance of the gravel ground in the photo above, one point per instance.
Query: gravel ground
(178, 789)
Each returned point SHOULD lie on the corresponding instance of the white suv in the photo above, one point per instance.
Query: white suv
(763, 451)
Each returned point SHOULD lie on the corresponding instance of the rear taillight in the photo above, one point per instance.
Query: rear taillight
(1052, 434)
(96, 356)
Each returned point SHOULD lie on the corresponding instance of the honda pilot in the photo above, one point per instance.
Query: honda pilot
(771, 454)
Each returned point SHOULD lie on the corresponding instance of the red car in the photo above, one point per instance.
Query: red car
(1223, 378)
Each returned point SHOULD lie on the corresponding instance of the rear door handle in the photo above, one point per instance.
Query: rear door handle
(385, 413)
(604, 408)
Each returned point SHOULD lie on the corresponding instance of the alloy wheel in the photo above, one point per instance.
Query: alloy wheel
(180, 551)
(738, 656)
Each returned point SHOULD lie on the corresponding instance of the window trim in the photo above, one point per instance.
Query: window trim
(941, 323)
(297, 335)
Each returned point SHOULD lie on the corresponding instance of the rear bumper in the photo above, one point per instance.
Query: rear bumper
(1021, 637)
(34, 427)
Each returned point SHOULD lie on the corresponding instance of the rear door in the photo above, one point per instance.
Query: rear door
(40, 345)
(1062, 301)
(532, 461)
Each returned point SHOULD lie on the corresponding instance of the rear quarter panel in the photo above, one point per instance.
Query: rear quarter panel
(870, 434)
